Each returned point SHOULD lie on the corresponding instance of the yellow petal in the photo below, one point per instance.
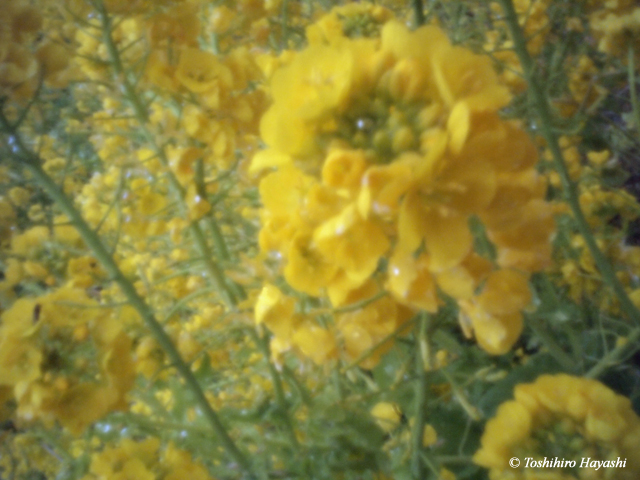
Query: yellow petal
(458, 126)
(506, 291)
(268, 158)
(447, 238)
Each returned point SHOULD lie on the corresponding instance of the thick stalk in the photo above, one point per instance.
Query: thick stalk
(418, 12)
(420, 409)
(543, 111)
(635, 105)
(214, 230)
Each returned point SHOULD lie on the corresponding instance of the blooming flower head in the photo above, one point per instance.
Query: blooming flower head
(389, 145)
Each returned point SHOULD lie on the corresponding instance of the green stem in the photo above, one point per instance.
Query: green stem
(352, 307)
(455, 459)
(632, 87)
(218, 240)
(418, 12)
(556, 351)
(616, 355)
(543, 111)
(285, 25)
(32, 163)
(263, 344)
(461, 397)
(158, 425)
(420, 408)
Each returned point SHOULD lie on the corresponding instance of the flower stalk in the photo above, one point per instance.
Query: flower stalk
(420, 418)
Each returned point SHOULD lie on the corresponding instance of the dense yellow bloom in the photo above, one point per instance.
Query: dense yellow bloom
(388, 147)
(571, 416)
(389, 191)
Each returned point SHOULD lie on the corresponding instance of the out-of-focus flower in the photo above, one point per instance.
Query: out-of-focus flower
(144, 460)
(65, 359)
(573, 417)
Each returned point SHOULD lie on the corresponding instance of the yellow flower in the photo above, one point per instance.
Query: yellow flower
(66, 359)
(285, 202)
(572, 416)
(462, 281)
(316, 82)
(351, 243)
(364, 331)
(20, 358)
(178, 25)
(396, 142)
(276, 311)
(387, 415)
(526, 244)
(616, 31)
(315, 342)
(384, 186)
(494, 315)
(445, 232)
(343, 169)
(411, 282)
(202, 72)
(429, 436)
(144, 460)
(308, 270)
(54, 60)
(470, 79)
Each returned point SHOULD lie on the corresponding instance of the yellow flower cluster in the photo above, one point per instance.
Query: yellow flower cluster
(616, 25)
(24, 455)
(603, 207)
(566, 417)
(41, 256)
(386, 149)
(65, 358)
(25, 60)
(144, 460)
